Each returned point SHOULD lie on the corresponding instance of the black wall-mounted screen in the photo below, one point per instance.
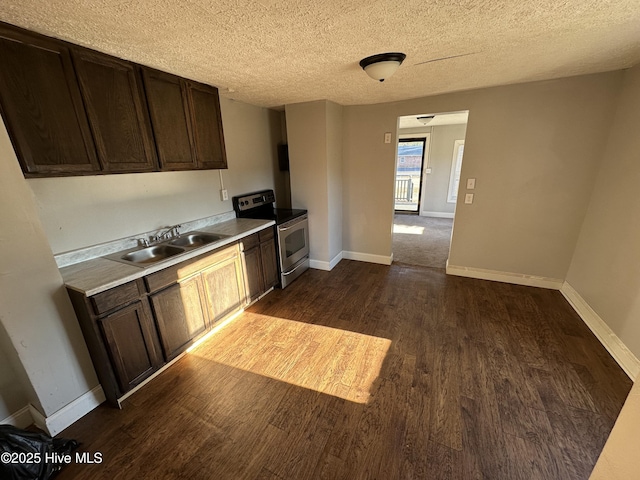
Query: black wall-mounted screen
(283, 157)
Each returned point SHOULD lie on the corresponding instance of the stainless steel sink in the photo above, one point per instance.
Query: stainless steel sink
(148, 255)
(152, 254)
(195, 239)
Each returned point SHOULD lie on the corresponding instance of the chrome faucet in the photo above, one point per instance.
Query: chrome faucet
(167, 234)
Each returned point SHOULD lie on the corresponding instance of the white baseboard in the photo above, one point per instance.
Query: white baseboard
(505, 277)
(68, 414)
(335, 260)
(21, 419)
(328, 266)
(437, 214)
(368, 257)
(618, 350)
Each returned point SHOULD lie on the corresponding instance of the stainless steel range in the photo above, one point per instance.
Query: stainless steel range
(292, 231)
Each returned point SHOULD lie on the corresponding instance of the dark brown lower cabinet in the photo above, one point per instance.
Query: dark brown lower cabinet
(269, 260)
(253, 269)
(131, 341)
(260, 263)
(180, 315)
(121, 336)
(224, 285)
(134, 329)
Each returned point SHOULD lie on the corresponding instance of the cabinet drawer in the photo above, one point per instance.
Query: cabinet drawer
(118, 296)
(266, 234)
(170, 275)
(249, 242)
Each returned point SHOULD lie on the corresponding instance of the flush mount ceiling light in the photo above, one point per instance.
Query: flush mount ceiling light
(424, 119)
(383, 65)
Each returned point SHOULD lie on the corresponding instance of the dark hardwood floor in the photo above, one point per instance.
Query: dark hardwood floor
(373, 372)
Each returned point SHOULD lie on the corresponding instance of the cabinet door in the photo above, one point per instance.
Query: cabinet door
(254, 280)
(42, 106)
(206, 120)
(180, 315)
(117, 112)
(132, 344)
(269, 263)
(224, 286)
(168, 107)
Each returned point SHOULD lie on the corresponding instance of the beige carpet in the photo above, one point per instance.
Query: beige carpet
(421, 240)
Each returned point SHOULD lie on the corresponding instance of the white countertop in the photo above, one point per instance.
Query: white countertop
(99, 274)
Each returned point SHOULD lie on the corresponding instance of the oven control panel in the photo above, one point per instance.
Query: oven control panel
(253, 200)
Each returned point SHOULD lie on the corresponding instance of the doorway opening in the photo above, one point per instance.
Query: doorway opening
(429, 160)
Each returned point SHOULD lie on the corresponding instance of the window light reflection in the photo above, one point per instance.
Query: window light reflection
(335, 362)
(409, 229)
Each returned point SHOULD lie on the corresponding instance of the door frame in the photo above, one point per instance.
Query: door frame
(426, 136)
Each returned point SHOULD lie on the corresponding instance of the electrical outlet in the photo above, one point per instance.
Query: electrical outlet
(471, 183)
(224, 195)
(387, 137)
(468, 198)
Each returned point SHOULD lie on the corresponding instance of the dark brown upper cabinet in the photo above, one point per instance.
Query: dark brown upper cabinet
(170, 118)
(114, 99)
(42, 107)
(73, 111)
(186, 122)
(207, 121)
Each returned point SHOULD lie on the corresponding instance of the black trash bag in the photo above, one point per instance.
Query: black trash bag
(29, 455)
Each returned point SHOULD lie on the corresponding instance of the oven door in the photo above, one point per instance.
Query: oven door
(293, 240)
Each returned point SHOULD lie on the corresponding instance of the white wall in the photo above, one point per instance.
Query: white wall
(12, 393)
(436, 189)
(334, 177)
(534, 149)
(307, 137)
(605, 269)
(81, 211)
(314, 133)
(35, 311)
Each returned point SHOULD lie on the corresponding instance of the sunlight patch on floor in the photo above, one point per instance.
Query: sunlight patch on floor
(410, 229)
(335, 362)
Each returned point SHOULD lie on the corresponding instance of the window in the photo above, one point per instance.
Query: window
(456, 167)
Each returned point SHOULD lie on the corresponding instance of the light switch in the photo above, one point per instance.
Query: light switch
(427, 170)
(471, 183)
(387, 137)
(468, 198)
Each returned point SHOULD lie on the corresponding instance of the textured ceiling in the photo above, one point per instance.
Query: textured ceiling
(276, 52)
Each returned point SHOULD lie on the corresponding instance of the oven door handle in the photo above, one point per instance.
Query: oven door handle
(289, 273)
(288, 228)
(293, 223)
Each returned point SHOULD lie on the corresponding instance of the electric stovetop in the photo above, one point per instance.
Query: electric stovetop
(260, 205)
(280, 215)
